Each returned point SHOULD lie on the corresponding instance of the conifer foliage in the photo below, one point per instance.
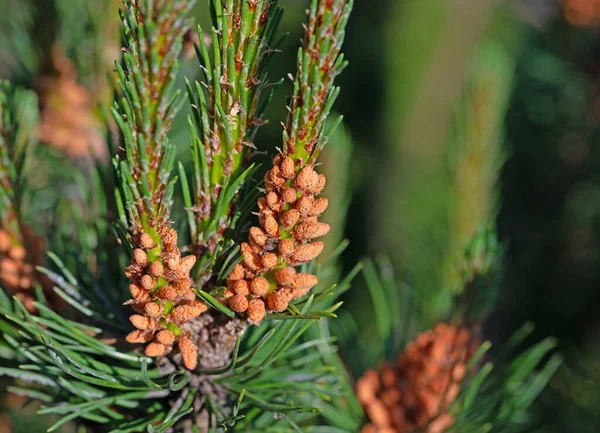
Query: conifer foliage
(20, 249)
(132, 319)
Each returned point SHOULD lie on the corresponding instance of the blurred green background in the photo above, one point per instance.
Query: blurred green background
(409, 61)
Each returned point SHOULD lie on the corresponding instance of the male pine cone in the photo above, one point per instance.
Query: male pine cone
(416, 393)
(288, 215)
(18, 258)
(162, 295)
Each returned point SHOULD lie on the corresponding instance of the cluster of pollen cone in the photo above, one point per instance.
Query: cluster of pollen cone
(68, 122)
(416, 392)
(17, 273)
(162, 295)
(582, 12)
(266, 278)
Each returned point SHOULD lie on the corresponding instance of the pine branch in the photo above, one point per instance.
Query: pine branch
(288, 213)
(445, 379)
(18, 117)
(20, 248)
(477, 154)
(244, 375)
(228, 109)
(100, 385)
(319, 63)
(161, 287)
(153, 32)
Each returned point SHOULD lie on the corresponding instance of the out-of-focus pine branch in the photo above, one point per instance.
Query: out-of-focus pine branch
(20, 248)
(446, 379)
(477, 154)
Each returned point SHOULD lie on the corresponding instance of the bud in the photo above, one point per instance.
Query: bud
(241, 287)
(277, 159)
(367, 387)
(186, 264)
(305, 204)
(287, 168)
(258, 236)
(251, 259)
(270, 225)
(167, 292)
(286, 247)
(238, 303)
(269, 260)
(238, 271)
(320, 185)
(155, 350)
(156, 269)
(310, 230)
(141, 322)
(307, 252)
(146, 241)
(147, 282)
(256, 311)
(5, 241)
(262, 204)
(153, 310)
(307, 180)
(259, 286)
(133, 271)
(273, 201)
(391, 397)
(165, 337)
(183, 313)
(189, 352)
(182, 285)
(138, 336)
(25, 283)
(172, 263)
(289, 218)
(288, 195)
(305, 281)
(170, 239)
(378, 414)
(277, 302)
(140, 257)
(17, 252)
(319, 206)
(140, 295)
(286, 276)
(188, 296)
(200, 305)
(273, 178)
(415, 393)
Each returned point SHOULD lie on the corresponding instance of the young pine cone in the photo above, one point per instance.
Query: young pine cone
(68, 121)
(417, 391)
(17, 266)
(582, 13)
(162, 296)
(266, 279)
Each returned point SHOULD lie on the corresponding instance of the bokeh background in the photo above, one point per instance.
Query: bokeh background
(409, 62)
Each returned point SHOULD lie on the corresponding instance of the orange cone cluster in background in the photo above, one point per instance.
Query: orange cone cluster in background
(162, 295)
(582, 12)
(5, 424)
(17, 269)
(288, 214)
(68, 121)
(417, 391)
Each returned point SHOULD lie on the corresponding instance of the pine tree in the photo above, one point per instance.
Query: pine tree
(129, 318)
